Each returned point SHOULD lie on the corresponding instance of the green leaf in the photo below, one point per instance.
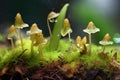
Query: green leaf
(54, 42)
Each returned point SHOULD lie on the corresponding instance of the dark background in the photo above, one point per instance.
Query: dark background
(32, 11)
(36, 11)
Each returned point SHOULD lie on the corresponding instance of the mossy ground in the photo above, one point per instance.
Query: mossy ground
(66, 51)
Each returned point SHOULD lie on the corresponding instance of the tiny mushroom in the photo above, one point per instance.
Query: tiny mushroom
(11, 33)
(91, 28)
(51, 18)
(19, 24)
(66, 29)
(78, 41)
(106, 41)
(52, 15)
(36, 36)
(81, 43)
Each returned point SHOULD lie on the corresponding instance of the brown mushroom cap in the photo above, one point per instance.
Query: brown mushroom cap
(80, 42)
(66, 28)
(106, 37)
(91, 28)
(19, 22)
(11, 32)
(34, 29)
(106, 40)
(52, 15)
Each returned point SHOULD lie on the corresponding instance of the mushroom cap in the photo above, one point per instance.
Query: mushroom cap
(52, 15)
(90, 25)
(84, 40)
(106, 40)
(19, 22)
(11, 32)
(91, 28)
(81, 42)
(78, 39)
(37, 38)
(34, 29)
(107, 37)
(66, 28)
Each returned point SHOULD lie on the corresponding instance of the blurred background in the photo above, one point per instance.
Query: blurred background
(104, 13)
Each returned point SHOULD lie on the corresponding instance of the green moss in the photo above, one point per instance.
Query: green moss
(65, 51)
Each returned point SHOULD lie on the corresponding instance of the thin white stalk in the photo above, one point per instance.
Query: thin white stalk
(49, 28)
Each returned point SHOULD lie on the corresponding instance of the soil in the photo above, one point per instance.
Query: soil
(58, 71)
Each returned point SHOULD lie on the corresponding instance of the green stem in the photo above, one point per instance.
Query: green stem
(20, 38)
(55, 38)
(90, 43)
(12, 44)
(49, 28)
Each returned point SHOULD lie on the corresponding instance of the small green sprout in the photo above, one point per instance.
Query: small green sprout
(55, 38)
(66, 29)
(106, 41)
(19, 24)
(11, 33)
(81, 43)
(91, 28)
(51, 16)
(36, 36)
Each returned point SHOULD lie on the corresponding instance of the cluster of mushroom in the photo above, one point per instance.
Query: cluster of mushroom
(81, 44)
(66, 29)
(35, 33)
(36, 36)
(14, 30)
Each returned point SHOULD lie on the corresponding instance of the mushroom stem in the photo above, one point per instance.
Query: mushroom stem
(70, 40)
(12, 44)
(69, 37)
(20, 38)
(49, 28)
(90, 43)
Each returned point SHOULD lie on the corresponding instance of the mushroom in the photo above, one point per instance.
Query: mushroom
(66, 29)
(91, 28)
(81, 43)
(105, 41)
(11, 33)
(19, 24)
(51, 16)
(36, 36)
